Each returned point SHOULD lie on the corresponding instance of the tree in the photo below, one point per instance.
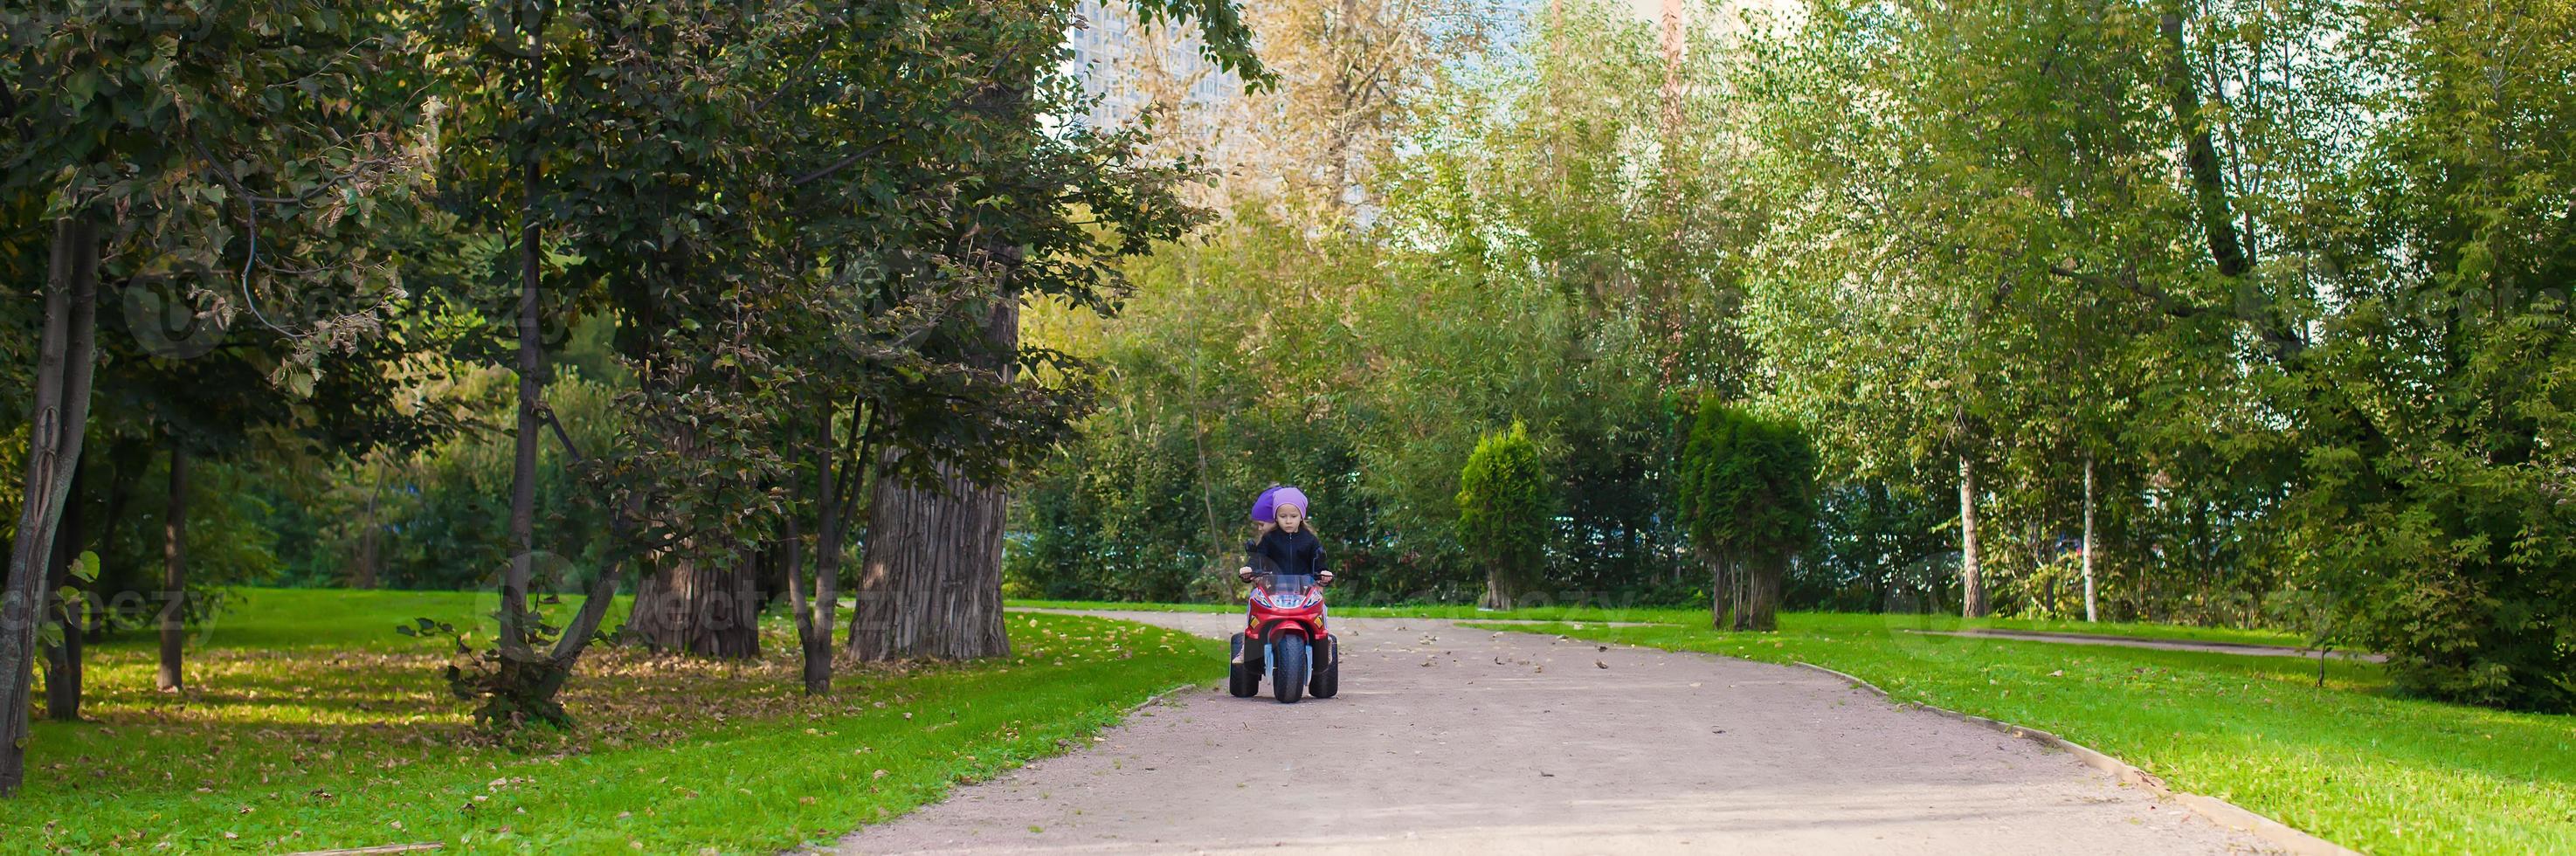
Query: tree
(1527, 212)
(2433, 443)
(137, 134)
(1747, 492)
(1505, 513)
(1949, 290)
(1339, 85)
(930, 580)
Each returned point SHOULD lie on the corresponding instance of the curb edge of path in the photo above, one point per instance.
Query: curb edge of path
(2220, 811)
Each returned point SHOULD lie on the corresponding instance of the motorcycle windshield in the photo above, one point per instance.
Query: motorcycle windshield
(1279, 584)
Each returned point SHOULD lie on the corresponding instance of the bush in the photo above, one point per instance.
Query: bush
(1505, 513)
(1748, 496)
(2460, 571)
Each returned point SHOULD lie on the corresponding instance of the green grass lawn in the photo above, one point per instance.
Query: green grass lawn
(2348, 762)
(310, 724)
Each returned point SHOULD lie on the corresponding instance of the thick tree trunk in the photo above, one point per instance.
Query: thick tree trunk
(174, 572)
(690, 607)
(2092, 610)
(66, 355)
(1760, 609)
(1972, 601)
(63, 659)
(1498, 595)
(930, 580)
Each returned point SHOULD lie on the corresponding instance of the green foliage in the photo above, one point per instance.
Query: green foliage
(1746, 484)
(194, 130)
(2435, 441)
(2305, 314)
(1878, 547)
(1506, 509)
(1536, 256)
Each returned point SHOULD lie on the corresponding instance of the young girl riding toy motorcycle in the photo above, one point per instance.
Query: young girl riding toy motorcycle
(1284, 638)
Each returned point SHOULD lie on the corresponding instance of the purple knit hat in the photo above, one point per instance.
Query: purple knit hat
(1266, 509)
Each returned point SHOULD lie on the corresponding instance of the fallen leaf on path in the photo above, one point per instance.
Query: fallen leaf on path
(1601, 664)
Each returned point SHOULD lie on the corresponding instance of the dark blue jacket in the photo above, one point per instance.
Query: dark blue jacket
(1286, 553)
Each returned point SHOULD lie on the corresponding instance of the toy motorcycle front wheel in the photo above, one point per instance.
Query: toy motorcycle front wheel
(1288, 674)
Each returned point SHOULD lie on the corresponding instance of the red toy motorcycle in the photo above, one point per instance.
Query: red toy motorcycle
(1284, 641)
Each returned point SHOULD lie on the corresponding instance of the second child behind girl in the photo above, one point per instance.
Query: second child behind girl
(1285, 543)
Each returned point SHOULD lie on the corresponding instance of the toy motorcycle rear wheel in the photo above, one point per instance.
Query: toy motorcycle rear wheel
(1328, 669)
(1242, 679)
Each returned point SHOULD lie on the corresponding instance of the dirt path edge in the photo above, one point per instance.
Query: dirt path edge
(2222, 812)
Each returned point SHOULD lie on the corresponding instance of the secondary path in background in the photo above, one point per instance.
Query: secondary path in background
(2164, 644)
(1451, 740)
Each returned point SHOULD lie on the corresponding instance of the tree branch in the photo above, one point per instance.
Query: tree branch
(838, 165)
(2128, 281)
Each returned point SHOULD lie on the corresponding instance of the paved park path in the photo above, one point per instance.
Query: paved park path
(1451, 740)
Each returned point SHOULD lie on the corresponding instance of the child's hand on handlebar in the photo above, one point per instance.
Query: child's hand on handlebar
(1244, 573)
(1325, 578)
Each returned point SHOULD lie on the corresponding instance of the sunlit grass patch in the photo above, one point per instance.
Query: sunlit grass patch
(309, 746)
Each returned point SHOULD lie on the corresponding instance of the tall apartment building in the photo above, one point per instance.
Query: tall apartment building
(1120, 61)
